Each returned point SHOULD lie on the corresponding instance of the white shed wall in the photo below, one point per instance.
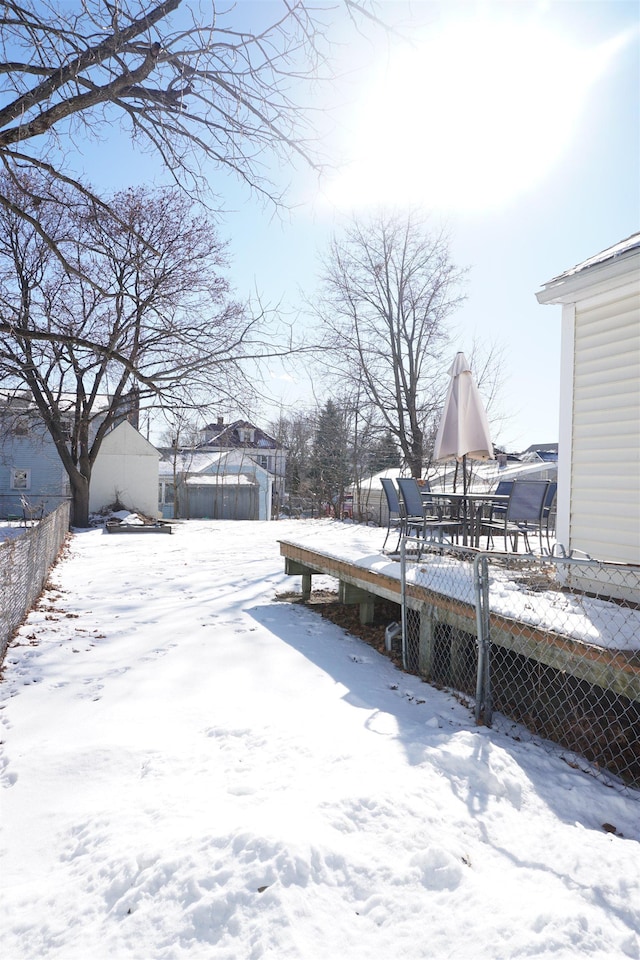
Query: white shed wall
(126, 467)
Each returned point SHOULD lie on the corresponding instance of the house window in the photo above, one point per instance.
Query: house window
(66, 426)
(166, 492)
(20, 479)
(246, 434)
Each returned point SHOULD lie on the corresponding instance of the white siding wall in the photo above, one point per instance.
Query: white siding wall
(605, 454)
(126, 466)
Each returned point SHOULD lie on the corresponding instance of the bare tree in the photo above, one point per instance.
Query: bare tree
(180, 440)
(187, 82)
(295, 432)
(389, 289)
(140, 327)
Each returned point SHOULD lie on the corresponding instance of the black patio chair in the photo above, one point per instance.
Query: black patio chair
(523, 515)
(503, 489)
(549, 512)
(425, 521)
(396, 511)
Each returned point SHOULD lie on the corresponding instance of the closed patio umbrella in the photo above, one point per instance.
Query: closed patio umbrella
(464, 429)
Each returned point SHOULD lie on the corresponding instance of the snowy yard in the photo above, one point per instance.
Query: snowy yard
(191, 769)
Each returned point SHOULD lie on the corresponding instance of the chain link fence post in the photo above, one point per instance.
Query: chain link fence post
(403, 598)
(483, 681)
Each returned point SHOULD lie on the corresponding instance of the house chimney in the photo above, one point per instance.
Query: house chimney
(220, 421)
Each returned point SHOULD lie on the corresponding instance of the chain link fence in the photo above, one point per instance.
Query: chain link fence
(548, 645)
(25, 562)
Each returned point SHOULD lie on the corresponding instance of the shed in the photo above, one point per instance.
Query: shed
(599, 450)
(225, 485)
(125, 471)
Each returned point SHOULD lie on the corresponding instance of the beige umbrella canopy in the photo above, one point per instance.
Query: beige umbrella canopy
(464, 429)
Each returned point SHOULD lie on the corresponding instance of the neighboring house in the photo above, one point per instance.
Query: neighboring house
(212, 485)
(252, 441)
(369, 501)
(125, 472)
(598, 509)
(126, 468)
(543, 451)
(484, 475)
(30, 468)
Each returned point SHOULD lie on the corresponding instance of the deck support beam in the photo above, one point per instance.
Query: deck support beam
(350, 594)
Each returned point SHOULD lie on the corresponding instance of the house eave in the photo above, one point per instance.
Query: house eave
(596, 278)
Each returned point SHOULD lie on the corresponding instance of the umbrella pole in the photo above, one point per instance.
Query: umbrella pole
(465, 505)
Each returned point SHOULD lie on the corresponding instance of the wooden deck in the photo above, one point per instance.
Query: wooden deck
(616, 671)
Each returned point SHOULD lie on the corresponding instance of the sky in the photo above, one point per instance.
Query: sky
(516, 125)
(192, 769)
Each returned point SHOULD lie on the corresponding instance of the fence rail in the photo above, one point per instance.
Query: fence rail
(25, 562)
(550, 645)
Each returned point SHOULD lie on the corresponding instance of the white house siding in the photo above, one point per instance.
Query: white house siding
(605, 509)
(126, 469)
(599, 467)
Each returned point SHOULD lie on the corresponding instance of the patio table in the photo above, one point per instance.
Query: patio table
(469, 507)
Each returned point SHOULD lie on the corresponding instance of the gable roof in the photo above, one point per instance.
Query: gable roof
(228, 435)
(125, 439)
(193, 463)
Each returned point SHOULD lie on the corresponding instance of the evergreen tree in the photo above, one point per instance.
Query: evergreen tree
(330, 459)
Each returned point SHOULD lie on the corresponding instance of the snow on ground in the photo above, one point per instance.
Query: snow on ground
(10, 529)
(193, 770)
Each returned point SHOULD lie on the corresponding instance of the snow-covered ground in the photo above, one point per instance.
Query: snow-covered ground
(194, 770)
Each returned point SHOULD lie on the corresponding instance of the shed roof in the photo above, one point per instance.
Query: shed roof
(214, 462)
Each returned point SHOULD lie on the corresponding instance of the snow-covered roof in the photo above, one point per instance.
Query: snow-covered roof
(188, 462)
(619, 249)
(607, 267)
(212, 461)
(221, 480)
(484, 474)
(236, 435)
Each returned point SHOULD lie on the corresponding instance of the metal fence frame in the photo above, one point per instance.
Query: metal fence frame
(551, 669)
(25, 562)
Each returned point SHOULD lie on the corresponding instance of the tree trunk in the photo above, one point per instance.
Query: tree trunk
(80, 500)
(414, 461)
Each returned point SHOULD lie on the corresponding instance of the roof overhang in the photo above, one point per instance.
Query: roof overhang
(595, 276)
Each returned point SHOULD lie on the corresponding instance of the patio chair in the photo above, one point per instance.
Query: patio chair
(396, 511)
(549, 512)
(420, 512)
(523, 515)
(494, 512)
(430, 510)
(503, 489)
